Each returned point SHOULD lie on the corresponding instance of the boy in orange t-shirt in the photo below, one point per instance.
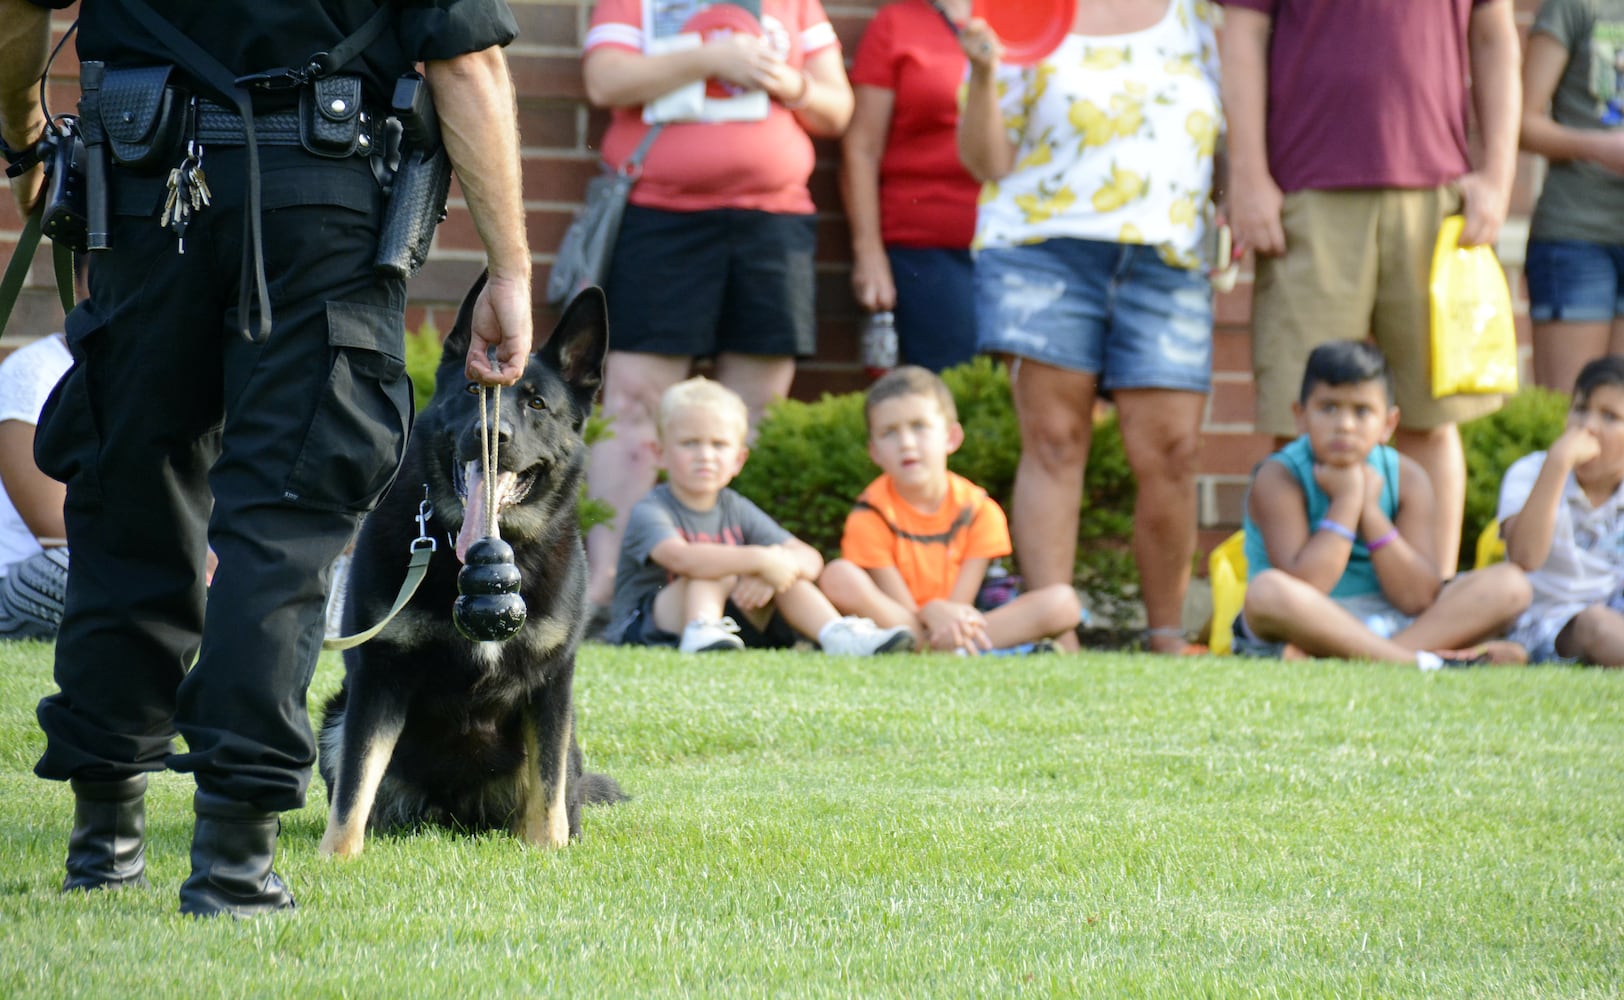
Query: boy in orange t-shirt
(918, 544)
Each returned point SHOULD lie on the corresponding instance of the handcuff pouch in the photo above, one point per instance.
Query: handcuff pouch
(143, 116)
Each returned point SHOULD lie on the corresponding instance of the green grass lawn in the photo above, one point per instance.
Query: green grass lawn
(1097, 825)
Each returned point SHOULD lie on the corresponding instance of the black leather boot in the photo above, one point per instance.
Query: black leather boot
(233, 845)
(108, 845)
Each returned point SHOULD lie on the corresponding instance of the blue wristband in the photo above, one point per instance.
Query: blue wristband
(1341, 530)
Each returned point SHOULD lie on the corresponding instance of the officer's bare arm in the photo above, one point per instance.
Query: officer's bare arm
(25, 38)
(479, 122)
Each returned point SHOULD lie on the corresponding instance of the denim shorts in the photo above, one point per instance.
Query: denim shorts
(1114, 310)
(1574, 281)
(1538, 628)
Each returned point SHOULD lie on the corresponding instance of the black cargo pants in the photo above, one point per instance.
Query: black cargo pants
(173, 433)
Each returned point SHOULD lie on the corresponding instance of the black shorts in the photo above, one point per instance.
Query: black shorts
(698, 284)
(641, 630)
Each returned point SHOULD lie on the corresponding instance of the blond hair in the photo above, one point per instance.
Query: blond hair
(701, 393)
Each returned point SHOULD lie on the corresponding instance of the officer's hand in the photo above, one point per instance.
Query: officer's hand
(502, 320)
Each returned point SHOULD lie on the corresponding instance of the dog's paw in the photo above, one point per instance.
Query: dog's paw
(341, 844)
(545, 832)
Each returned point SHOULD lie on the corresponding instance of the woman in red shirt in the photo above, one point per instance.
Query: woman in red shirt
(910, 203)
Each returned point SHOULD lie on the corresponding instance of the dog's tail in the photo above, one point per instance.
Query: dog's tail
(601, 790)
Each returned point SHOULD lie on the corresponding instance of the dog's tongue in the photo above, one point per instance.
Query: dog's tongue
(473, 513)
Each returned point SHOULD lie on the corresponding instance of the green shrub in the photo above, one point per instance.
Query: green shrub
(810, 461)
(422, 357)
(1528, 422)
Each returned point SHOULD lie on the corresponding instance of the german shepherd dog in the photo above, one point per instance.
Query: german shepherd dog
(431, 727)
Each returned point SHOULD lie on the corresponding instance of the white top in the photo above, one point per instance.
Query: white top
(1586, 564)
(1114, 139)
(27, 377)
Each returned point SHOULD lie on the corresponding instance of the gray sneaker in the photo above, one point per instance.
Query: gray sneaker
(851, 636)
(721, 635)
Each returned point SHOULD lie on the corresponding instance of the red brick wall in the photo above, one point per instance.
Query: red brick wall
(560, 135)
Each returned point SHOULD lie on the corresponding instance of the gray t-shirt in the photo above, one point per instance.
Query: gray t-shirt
(658, 516)
(1582, 200)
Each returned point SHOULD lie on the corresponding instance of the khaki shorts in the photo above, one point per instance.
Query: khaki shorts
(1358, 265)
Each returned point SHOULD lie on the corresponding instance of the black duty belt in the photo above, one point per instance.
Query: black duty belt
(218, 125)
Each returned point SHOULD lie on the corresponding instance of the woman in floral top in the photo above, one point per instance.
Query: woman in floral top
(1097, 171)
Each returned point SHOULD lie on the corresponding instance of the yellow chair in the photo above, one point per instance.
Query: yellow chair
(1226, 570)
(1491, 548)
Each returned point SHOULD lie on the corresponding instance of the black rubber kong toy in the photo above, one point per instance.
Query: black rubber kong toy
(490, 608)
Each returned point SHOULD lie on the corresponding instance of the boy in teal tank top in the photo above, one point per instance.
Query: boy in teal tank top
(1339, 535)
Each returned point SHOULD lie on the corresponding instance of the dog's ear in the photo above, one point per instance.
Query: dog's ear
(455, 350)
(579, 342)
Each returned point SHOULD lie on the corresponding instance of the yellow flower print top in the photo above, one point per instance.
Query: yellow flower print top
(1114, 140)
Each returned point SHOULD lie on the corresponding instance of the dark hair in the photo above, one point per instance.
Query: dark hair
(911, 380)
(1605, 370)
(1345, 362)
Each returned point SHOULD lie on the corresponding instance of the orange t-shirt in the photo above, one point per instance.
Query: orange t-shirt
(927, 549)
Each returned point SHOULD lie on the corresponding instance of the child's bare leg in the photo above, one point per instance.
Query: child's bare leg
(1595, 635)
(1281, 608)
(1036, 614)
(1470, 609)
(684, 600)
(805, 608)
(853, 592)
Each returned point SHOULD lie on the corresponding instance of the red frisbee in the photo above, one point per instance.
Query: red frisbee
(1029, 29)
(722, 19)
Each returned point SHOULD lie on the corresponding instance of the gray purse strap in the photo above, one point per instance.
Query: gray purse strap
(633, 167)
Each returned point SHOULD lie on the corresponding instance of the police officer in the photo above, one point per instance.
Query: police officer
(206, 408)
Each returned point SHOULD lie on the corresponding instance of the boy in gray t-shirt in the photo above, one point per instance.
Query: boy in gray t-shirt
(703, 568)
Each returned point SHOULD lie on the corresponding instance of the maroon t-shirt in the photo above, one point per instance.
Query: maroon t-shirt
(1366, 93)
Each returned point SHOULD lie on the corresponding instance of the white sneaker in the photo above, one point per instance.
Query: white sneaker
(702, 636)
(851, 636)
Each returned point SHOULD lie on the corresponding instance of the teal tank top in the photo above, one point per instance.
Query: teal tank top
(1298, 458)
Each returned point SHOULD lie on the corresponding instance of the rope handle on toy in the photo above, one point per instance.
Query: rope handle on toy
(487, 453)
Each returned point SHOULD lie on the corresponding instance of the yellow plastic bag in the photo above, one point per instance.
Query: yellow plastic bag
(1474, 341)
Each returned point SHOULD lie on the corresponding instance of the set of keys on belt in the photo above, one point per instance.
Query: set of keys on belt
(188, 193)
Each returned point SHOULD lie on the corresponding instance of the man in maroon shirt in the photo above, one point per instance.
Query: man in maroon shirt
(1348, 147)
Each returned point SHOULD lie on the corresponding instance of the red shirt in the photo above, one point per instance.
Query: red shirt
(1366, 93)
(692, 167)
(927, 199)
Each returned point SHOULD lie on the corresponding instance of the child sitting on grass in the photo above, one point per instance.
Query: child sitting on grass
(1338, 535)
(1562, 518)
(918, 544)
(704, 569)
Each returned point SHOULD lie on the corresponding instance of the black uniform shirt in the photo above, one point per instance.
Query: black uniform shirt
(252, 36)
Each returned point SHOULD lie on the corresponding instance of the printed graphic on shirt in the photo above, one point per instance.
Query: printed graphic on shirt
(1114, 140)
(1607, 71)
(673, 25)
